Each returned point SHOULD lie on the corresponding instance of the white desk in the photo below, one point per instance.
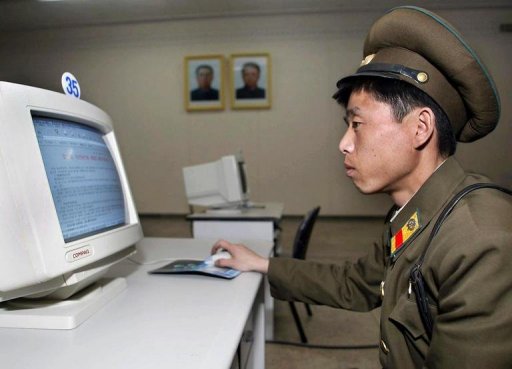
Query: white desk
(255, 223)
(159, 321)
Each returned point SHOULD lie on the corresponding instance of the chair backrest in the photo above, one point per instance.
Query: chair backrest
(300, 245)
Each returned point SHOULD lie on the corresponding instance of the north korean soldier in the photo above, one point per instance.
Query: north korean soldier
(442, 272)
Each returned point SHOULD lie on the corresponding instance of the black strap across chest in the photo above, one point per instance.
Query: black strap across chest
(416, 280)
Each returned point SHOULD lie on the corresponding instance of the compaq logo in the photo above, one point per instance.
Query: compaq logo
(81, 253)
(78, 254)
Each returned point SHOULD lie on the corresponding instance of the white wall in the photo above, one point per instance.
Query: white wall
(135, 73)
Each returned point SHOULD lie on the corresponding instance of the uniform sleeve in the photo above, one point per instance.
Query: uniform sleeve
(353, 286)
(473, 327)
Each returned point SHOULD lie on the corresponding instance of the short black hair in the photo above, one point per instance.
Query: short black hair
(204, 66)
(403, 98)
(251, 65)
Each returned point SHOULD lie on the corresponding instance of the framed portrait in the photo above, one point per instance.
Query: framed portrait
(204, 82)
(250, 81)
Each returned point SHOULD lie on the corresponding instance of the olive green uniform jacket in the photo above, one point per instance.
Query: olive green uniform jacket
(468, 272)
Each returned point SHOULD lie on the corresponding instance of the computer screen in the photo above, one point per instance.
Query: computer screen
(82, 176)
(218, 184)
(66, 209)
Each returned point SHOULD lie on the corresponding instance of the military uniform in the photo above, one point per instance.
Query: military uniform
(467, 271)
(467, 268)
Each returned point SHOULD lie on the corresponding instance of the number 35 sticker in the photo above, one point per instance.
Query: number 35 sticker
(70, 85)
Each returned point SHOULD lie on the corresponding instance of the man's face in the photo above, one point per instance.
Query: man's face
(250, 76)
(379, 153)
(204, 78)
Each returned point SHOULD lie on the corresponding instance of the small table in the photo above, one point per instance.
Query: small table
(258, 222)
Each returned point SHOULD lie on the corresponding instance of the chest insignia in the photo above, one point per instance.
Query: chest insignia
(407, 230)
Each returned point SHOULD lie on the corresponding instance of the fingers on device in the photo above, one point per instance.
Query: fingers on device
(210, 260)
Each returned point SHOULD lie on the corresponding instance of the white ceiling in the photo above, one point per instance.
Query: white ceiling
(16, 15)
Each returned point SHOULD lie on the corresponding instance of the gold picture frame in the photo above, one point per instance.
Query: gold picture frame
(204, 82)
(250, 81)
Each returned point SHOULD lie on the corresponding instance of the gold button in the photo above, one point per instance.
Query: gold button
(384, 347)
(422, 77)
(382, 289)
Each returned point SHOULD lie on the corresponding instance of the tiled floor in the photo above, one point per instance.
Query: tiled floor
(332, 240)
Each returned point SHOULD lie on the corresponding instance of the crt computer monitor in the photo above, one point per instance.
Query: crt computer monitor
(66, 209)
(218, 184)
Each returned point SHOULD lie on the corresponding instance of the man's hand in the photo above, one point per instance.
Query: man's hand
(242, 258)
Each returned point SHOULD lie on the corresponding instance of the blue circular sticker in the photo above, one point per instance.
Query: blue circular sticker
(70, 85)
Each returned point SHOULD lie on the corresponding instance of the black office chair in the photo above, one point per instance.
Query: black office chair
(300, 248)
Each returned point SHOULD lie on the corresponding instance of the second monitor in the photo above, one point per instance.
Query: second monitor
(218, 184)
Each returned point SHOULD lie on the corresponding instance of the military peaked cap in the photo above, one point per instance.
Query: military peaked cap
(419, 47)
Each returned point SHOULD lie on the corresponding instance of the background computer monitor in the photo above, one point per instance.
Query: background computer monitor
(66, 209)
(218, 184)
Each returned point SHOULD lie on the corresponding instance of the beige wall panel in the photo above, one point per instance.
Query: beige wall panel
(135, 73)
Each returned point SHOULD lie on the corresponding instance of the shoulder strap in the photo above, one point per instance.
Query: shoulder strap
(416, 282)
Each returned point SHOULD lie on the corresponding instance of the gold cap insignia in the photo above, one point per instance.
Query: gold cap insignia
(368, 59)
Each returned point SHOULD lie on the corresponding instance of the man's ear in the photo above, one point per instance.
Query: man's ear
(426, 122)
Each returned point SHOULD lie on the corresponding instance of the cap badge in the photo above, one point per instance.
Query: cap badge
(367, 59)
(407, 230)
(422, 77)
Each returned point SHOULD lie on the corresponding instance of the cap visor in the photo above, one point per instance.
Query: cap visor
(346, 82)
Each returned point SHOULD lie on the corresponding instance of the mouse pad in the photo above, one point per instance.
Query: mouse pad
(196, 267)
